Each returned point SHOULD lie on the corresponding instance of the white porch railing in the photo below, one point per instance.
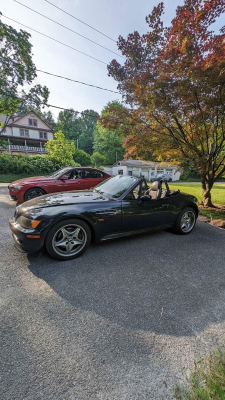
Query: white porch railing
(26, 148)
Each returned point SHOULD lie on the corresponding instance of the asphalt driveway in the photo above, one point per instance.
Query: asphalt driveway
(124, 321)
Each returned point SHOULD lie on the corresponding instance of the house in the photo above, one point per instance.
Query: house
(26, 133)
(144, 168)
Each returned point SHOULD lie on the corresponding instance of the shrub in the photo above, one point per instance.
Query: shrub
(27, 164)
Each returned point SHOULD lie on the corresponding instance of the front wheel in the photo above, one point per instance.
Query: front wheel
(32, 193)
(186, 221)
(68, 239)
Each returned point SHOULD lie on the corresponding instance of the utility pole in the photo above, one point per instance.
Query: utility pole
(116, 156)
(77, 144)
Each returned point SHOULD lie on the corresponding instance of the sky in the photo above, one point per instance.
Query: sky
(113, 18)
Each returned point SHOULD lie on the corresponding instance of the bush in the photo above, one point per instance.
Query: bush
(190, 175)
(27, 164)
(82, 157)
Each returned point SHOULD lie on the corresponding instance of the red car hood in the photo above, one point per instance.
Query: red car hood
(25, 181)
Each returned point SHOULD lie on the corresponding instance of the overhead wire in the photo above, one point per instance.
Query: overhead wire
(80, 21)
(58, 23)
(69, 79)
(55, 40)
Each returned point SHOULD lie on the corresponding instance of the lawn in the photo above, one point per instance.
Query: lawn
(218, 191)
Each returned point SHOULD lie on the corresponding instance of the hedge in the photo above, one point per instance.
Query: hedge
(22, 163)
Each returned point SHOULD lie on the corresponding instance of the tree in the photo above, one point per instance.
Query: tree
(78, 127)
(106, 142)
(81, 157)
(17, 70)
(174, 82)
(87, 124)
(60, 149)
(68, 123)
(97, 159)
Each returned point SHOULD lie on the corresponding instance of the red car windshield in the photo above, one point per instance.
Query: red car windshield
(58, 173)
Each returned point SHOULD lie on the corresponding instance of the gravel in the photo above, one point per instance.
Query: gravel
(124, 321)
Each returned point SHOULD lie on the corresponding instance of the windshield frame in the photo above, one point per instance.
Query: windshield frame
(135, 179)
(65, 169)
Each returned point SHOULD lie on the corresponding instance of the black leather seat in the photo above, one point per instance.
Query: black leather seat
(155, 190)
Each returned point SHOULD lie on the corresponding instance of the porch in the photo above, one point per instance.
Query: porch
(24, 146)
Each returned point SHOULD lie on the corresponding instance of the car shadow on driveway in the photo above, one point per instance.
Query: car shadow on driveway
(160, 282)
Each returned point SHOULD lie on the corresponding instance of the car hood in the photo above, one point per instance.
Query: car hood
(65, 198)
(25, 181)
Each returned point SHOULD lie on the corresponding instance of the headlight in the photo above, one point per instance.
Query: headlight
(15, 188)
(28, 223)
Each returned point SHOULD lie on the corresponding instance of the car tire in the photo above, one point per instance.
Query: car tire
(186, 221)
(68, 239)
(33, 193)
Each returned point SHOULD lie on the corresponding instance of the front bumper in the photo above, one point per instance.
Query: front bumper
(24, 243)
(16, 195)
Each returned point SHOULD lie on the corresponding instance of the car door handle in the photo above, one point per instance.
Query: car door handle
(165, 205)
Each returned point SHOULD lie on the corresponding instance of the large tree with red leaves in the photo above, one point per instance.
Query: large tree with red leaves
(173, 80)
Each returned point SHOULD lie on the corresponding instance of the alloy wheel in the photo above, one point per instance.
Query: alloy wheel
(69, 240)
(187, 221)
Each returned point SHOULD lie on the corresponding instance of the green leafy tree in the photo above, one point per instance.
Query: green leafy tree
(82, 157)
(61, 149)
(97, 159)
(109, 142)
(68, 123)
(17, 70)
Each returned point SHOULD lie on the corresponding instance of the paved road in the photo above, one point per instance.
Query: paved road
(124, 321)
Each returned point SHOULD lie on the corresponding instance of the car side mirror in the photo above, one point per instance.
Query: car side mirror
(64, 178)
(145, 197)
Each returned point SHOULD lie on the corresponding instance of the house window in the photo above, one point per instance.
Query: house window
(130, 173)
(43, 135)
(32, 122)
(120, 172)
(24, 133)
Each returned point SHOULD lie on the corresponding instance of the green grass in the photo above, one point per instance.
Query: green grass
(218, 191)
(207, 380)
(8, 178)
(213, 214)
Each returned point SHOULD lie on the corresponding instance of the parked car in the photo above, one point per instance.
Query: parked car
(166, 177)
(65, 223)
(66, 179)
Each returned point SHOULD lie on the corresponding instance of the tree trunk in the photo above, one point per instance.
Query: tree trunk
(206, 194)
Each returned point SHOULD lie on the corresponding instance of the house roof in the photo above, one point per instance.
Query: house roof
(139, 163)
(16, 118)
(135, 163)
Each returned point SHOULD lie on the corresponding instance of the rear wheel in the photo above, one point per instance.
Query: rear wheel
(32, 193)
(186, 221)
(68, 239)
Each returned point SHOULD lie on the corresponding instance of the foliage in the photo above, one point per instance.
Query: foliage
(60, 149)
(189, 174)
(78, 127)
(82, 157)
(207, 381)
(17, 70)
(97, 159)
(173, 80)
(106, 142)
(26, 164)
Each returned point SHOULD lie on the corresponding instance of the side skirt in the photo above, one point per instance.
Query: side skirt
(123, 234)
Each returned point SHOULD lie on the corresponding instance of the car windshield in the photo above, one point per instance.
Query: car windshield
(116, 186)
(58, 173)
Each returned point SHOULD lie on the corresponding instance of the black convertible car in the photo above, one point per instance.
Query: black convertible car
(65, 223)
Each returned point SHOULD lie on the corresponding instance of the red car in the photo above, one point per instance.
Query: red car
(66, 179)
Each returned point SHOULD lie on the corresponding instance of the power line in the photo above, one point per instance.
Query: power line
(87, 84)
(80, 21)
(64, 44)
(69, 109)
(58, 23)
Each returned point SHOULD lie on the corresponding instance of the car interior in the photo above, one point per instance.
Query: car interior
(156, 191)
